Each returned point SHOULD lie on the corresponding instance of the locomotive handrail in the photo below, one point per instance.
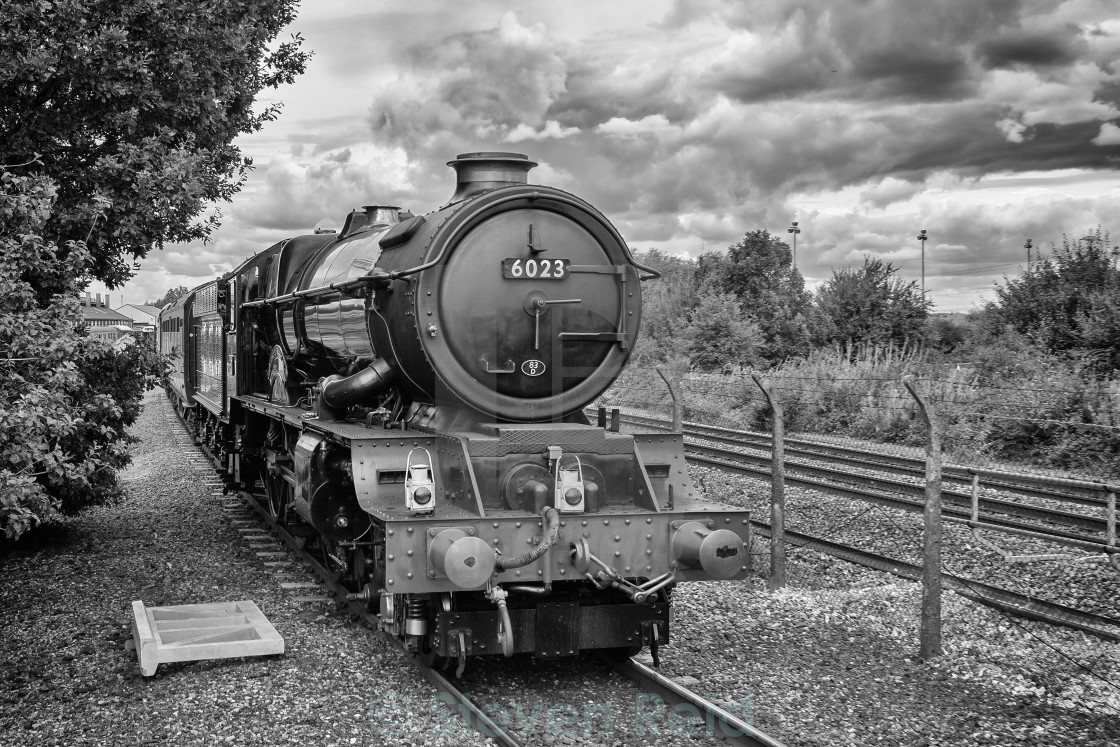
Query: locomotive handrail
(379, 280)
(652, 273)
(382, 278)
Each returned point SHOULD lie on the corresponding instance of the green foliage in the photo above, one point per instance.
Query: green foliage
(1068, 302)
(852, 390)
(667, 304)
(120, 116)
(946, 334)
(870, 305)
(1065, 419)
(65, 399)
(131, 107)
(759, 272)
(720, 336)
(171, 296)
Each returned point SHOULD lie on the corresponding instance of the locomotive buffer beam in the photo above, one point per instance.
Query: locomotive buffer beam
(552, 630)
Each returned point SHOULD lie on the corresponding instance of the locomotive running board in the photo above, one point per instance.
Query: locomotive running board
(191, 632)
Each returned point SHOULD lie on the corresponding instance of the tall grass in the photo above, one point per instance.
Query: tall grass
(1030, 410)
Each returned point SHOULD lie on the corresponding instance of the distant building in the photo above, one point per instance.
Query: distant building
(101, 321)
(143, 317)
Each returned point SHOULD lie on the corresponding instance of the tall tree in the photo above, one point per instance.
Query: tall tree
(759, 272)
(1067, 302)
(870, 304)
(131, 107)
(171, 296)
(117, 121)
(666, 305)
(720, 336)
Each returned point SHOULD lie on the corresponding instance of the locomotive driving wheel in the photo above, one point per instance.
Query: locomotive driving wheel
(334, 557)
(431, 659)
(428, 657)
(277, 492)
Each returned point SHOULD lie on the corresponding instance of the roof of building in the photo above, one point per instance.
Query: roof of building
(100, 312)
(153, 310)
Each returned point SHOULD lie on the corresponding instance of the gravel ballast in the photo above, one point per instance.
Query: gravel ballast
(66, 596)
(830, 660)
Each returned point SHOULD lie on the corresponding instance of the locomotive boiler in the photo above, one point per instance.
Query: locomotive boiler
(408, 394)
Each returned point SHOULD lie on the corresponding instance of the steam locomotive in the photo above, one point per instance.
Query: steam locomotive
(408, 395)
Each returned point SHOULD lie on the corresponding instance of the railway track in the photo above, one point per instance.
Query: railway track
(721, 723)
(811, 470)
(718, 722)
(993, 596)
(733, 730)
(1081, 492)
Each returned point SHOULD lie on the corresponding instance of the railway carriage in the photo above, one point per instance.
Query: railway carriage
(408, 396)
(173, 341)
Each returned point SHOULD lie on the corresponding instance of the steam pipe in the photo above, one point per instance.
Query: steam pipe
(552, 531)
(539, 591)
(339, 393)
(507, 629)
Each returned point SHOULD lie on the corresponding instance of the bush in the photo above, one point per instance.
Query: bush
(65, 399)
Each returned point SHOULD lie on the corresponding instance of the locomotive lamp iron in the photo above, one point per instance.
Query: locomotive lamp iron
(569, 488)
(419, 487)
(451, 353)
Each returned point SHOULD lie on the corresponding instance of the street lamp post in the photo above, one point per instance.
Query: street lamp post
(922, 238)
(1027, 246)
(794, 230)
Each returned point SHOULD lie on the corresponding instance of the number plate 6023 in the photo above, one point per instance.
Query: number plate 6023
(519, 268)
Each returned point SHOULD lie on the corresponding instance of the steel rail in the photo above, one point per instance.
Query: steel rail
(994, 596)
(723, 723)
(718, 721)
(949, 514)
(994, 505)
(1036, 486)
(478, 719)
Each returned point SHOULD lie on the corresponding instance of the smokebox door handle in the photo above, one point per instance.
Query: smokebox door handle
(509, 367)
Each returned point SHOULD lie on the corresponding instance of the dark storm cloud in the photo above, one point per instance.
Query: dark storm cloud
(471, 84)
(788, 96)
(866, 51)
(1061, 46)
(689, 127)
(711, 121)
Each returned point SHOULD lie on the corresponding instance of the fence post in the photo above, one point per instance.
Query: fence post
(777, 489)
(930, 635)
(674, 392)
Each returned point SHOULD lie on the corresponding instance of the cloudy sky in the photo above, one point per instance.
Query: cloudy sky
(690, 122)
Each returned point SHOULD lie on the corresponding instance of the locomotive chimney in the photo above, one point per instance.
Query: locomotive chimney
(479, 172)
(385, 215)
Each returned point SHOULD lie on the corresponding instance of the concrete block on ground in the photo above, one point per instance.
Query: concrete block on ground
(192, 632)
